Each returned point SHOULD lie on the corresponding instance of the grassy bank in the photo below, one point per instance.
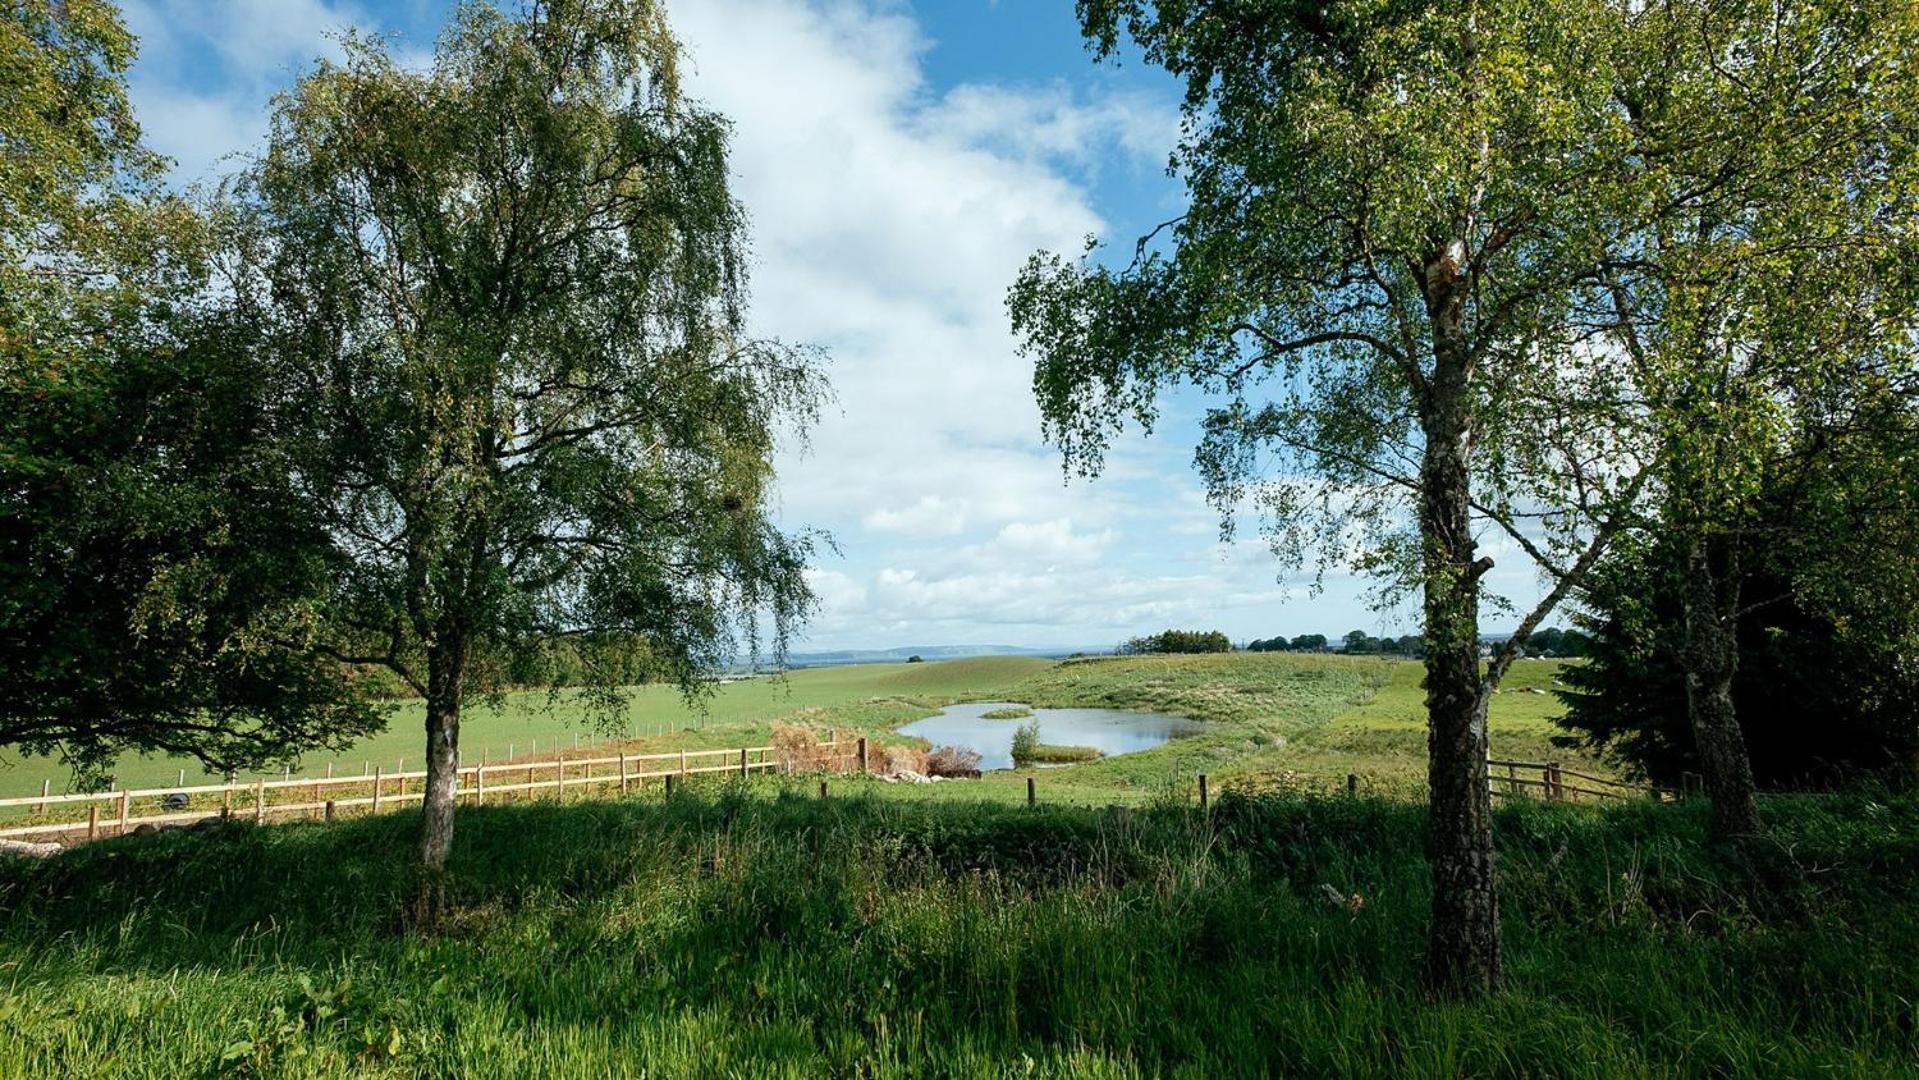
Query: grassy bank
(750, 934)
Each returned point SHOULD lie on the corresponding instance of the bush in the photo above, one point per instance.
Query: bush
(952, 761)
(893, 760)
(1015, 712)
(801, 749)
(1179, 641)
(1025, 742)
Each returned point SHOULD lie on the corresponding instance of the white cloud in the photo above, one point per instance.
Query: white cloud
(889, 217)
(930, 516)
(207, 69)
(1054, 541)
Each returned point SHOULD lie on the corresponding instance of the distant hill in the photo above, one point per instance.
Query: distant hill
(925, 652)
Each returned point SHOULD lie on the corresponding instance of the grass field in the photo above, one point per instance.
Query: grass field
(740, 932)
(753, 929)
(870, 695)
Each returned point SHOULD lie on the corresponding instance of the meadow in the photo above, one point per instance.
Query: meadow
(755, 929)
(656, 717)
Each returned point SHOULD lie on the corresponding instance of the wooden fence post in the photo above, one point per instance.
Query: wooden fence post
(863, 768)
(46, 786)
(1554, 790)
(822, 789)
(1352, 783)
(479, 786)
(742, 762)
(126, 806)
(1512, 779)
(682, 761)
(1202, 791)
(669, 785)
(376, 790)
(559, 776)
(93, 821)
(226, 798)
(623, 788)
(260, 800)
(329, 811)
(1032, 799)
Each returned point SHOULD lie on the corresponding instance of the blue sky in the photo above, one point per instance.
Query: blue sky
(900, 161)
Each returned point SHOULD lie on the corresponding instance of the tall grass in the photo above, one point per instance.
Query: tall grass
(727, 934)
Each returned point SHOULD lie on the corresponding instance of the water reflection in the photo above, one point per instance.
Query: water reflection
(1110, 731)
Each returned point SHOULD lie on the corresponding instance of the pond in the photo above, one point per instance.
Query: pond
(1110, 731)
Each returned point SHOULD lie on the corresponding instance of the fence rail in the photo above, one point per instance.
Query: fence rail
(384, 791)
(1551, 783)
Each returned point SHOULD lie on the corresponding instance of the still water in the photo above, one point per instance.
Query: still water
(1110, 731)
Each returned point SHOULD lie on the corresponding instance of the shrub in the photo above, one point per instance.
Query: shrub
(802, 749)
(1025, 742)
(952, 761)
(893, 760)
(1016, 712)
(1179, 641)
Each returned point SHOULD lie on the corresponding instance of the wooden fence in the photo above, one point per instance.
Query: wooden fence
(1554, 782)
(263, 799)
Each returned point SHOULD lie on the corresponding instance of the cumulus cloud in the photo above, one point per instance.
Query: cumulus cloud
(889, 215)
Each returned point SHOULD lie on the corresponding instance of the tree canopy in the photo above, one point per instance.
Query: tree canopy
(504, 305)
(146, 564)
(1179, 641)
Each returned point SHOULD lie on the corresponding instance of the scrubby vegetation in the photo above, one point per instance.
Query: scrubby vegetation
(952, 761)
(1015, 712)
(1049, 754)
(724, 934)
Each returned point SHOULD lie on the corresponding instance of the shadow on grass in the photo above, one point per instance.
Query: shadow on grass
(837, 935)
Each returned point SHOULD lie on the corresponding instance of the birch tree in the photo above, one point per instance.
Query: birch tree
(506, 301)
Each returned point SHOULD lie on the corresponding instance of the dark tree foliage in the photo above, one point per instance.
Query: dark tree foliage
(148, 562)
(1179, 641)
(1273, 644)
(147, 565)
(1816, 705)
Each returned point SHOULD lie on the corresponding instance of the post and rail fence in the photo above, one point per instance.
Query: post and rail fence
(328, 796)
(1554, 782)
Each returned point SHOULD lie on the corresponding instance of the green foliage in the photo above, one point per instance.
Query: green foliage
(536, 409)
(1051, 754)
(150, 572)
(1025, 743)
(1016, 712)
(1178, 641)
(1817, 704)
(790, 937)
(152, 566)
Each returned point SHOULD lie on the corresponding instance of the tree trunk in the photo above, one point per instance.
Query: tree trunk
(1711, 659)
(446, 673)
(1464, 954)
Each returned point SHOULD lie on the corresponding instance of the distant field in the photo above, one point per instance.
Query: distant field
(868, 694)
(1272, 720)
